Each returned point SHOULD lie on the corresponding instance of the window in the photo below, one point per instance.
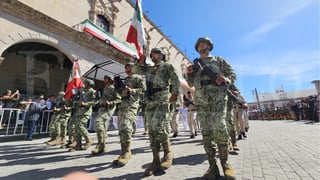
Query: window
(103, 23)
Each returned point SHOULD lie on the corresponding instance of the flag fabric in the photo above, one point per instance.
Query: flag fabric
(136, 33)
(74, 81)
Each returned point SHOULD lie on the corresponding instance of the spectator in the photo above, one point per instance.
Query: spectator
(9, 100)
(33, 116)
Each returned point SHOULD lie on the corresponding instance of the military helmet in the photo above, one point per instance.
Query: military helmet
(129, 64)
(107, 76)
(89, 81)
(204, 40)
(159, 51)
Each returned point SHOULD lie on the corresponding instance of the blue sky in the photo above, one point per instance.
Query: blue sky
(270, 44)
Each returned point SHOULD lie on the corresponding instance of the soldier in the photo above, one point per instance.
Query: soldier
(83, 114)
(60, 118)
(175, 119)
(71, 124)
(160, 77)
(191, 114)
(239, 116)
(107, 107)
(230, 118)
(127, 112)
(211, 102)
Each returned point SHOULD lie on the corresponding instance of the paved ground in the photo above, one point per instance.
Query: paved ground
(273, 150)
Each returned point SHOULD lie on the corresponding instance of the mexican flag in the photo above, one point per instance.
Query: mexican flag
(136, 31)
(74, 81)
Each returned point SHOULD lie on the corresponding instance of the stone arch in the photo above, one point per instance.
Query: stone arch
(34, 66)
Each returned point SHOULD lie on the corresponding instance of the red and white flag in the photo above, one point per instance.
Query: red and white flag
(74, 82)
(136, 33)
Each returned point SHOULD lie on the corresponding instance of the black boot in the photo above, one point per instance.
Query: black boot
(244, 134)
(175, 134)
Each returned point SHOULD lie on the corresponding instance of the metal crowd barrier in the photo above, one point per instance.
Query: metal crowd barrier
(45, 120)
(17, 117)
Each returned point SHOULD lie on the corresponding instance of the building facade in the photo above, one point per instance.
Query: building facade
(280, 98)
(39, 40)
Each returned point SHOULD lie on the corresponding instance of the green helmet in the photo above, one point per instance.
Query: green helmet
(89, 81)
(204, 40)
(129, 64)
(107, 76)
(159, 51)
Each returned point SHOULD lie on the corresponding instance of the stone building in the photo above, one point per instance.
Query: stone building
(39, 40)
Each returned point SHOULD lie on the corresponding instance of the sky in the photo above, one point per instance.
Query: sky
(270, 44)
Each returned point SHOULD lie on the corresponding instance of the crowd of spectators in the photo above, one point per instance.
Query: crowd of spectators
(14, 100)
(303, 109)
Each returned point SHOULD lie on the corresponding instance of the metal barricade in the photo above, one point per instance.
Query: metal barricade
(13, 113)
(46, 116)
(21, 117)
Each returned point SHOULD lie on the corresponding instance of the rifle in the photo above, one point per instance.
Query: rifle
(120, 85)
(199, 65)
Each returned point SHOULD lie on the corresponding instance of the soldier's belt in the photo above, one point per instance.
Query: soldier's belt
(191, 110)
(154, 90)
(207, 82)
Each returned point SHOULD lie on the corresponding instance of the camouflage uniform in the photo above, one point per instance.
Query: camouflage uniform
(61, 116)
(71, 124)
(211, 102)
(127, 113)
(105, 112)
(229, 120)
(161, 75)
(83, 114)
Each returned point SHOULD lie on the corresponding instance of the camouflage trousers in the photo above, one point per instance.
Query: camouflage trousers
(81, 126)
(100, 123)
(72, 125)
(158, 124)
(230, 124)
(213, 122)
(52, 125)
(126, 119)
(61, 124)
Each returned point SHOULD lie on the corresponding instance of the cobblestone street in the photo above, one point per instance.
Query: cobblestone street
(273, 150)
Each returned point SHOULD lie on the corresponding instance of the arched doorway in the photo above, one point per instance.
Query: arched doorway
(34, 68)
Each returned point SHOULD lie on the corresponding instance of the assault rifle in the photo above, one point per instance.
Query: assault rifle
(199, 65)
(120, 85)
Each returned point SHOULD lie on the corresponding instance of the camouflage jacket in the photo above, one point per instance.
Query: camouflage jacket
(111, 95)
(135, 82)
(199, 79)
(163, 80)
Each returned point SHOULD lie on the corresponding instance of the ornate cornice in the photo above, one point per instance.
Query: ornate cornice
(21, 11)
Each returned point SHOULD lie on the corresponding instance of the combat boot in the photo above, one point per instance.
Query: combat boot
(235, 147)
(213, 170)
(166, 161)
(125, 154)
(56, 141)
(78, 146)
(51, 139)
(228, 172)
(155, 165)
(63, 140)
(72, 142)
(100, 147)
(88, 142)
(244, 134)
